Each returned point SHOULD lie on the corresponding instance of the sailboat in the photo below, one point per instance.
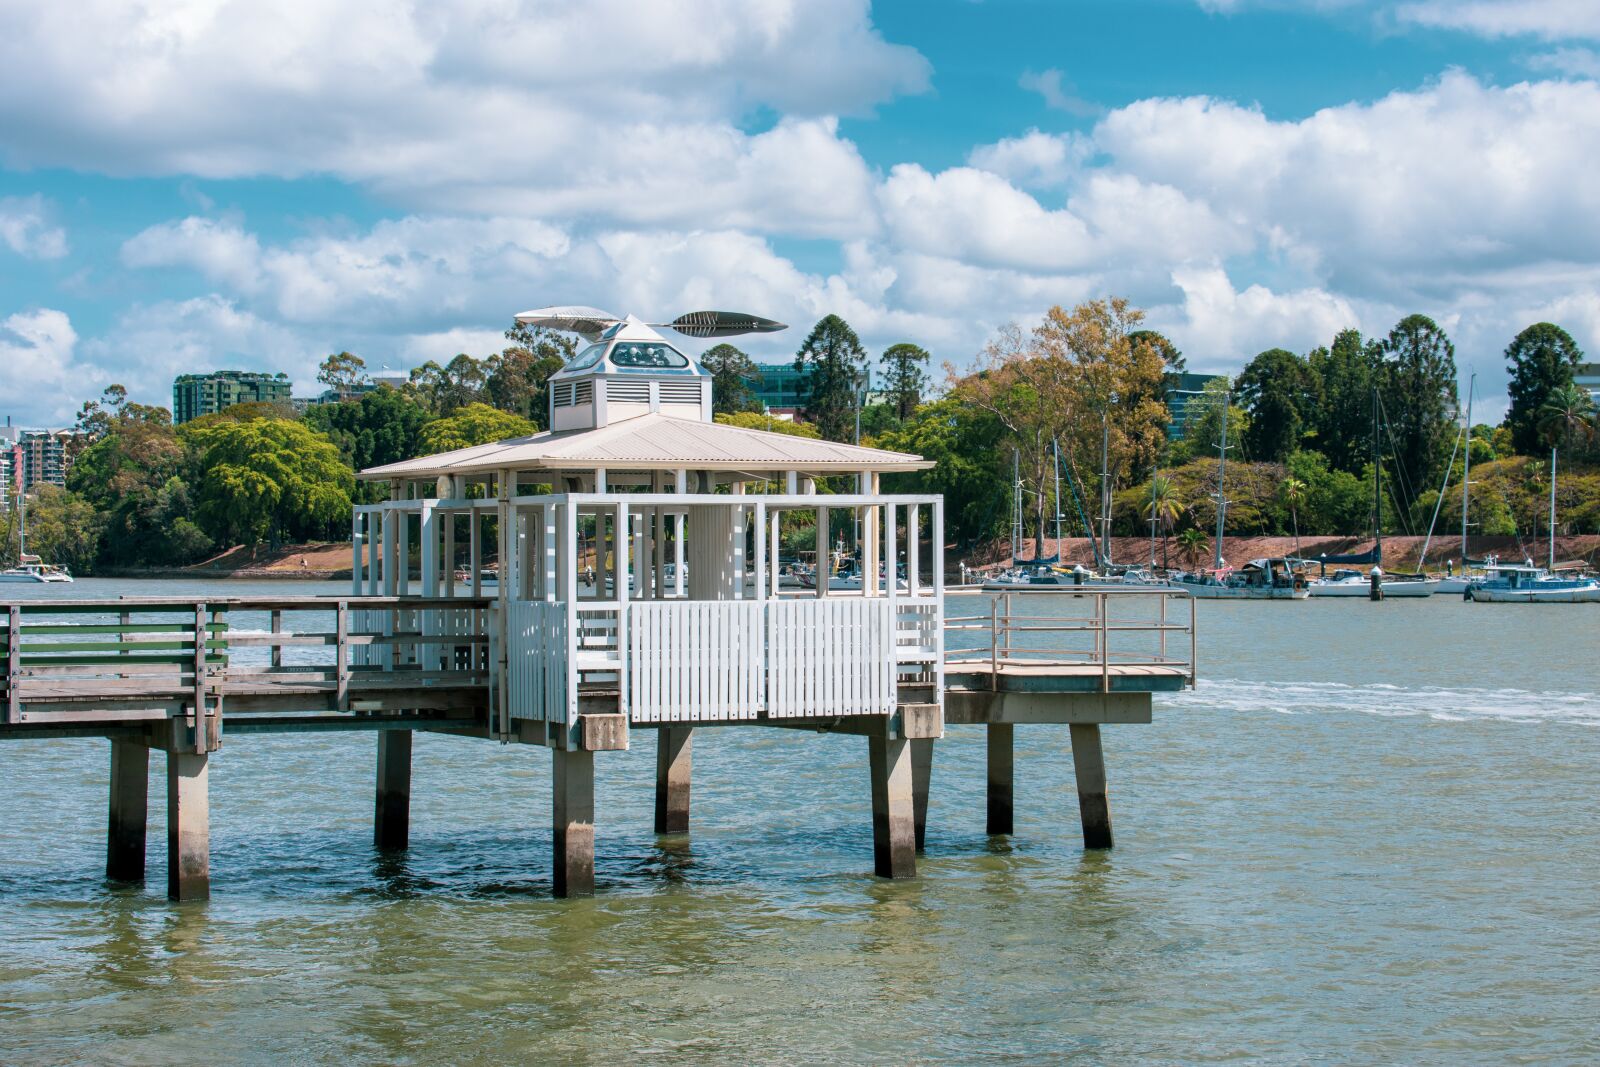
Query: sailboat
(30, 568)
(1260, 579)
(1530, 585)
(1353, 583)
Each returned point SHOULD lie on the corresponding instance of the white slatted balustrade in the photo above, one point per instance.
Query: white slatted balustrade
(536, 660)
(696, 660)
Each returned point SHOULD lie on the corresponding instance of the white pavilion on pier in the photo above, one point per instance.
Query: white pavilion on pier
(638, 582)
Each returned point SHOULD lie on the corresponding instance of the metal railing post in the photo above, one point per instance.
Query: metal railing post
(994, 643)
(1105, 644)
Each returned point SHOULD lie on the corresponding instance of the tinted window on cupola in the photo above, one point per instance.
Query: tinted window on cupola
(646, 354)
(587, 358)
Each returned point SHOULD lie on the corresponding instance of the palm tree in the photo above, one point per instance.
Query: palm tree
(1163, 507)
(1192, 543)
(1566, 413)
(1294, 494)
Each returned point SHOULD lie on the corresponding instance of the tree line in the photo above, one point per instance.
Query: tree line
(1090, 385)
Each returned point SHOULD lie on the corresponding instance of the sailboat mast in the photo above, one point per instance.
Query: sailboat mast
(1466, 471)
(1016, 503)
(1105, 485)
(1222, 470)
(1377, 481)
(1056, 446)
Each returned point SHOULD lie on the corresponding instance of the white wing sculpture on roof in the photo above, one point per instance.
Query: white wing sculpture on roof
(591, 323)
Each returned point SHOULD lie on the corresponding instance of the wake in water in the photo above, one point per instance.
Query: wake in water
(1389, 701)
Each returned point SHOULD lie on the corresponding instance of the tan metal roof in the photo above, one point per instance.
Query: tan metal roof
(655, 442)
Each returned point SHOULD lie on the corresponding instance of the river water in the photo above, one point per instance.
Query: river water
(1369, 836)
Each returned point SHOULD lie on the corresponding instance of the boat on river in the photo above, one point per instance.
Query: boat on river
(1260, 579)
(33, 569)
(1352, 583)
(1511, 583)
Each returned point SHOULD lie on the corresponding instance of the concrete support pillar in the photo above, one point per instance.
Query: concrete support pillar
(188, 827)
(1000, 778)
(1089, 764)
(894, 830)
(129, 811)
(674, 746)
(573, 813)
(921, 771)
(391, 820)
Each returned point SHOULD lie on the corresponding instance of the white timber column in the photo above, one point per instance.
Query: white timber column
(188, 826)
(913, 549)
(358, 522)
(776, 522)
(552, 550)
(824, 562)
(680, 519)
(402, 570)
(129, 814)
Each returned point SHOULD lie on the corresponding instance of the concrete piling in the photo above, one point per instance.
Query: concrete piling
(894, 832)
(188, 826)
(129, 810)
(1089, 765)
(921, 774)
(1000, 778)
(674, 752)
(573, 816)
(391, 822)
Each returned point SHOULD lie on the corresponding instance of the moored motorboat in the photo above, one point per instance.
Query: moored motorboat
(1260, 579)
(32, 569)
(1351, 583)
(1527, 584)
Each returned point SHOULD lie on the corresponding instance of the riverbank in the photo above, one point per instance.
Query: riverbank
(312, 561)
(1399, 553)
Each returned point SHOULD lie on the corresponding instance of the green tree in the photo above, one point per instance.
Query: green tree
(518, 378)
(1418, 386)
(455, 385)
(1541, 360)
(1342, 421)
(1202, 420)
(903, 377)
(474, 424)
(63, 529)
(1567, 414)
(267, 480)
(1193, 546)
(833, 364)
(1278, 391)
(759, 420)
(967, 446)
(383, 426)
(344, 373)
(134, 477)
(731, 375)
(1164, 508)
(1294, 494)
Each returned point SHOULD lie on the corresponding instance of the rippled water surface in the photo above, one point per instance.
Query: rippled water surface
(1369, 836)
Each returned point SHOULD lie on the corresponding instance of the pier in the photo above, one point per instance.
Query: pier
(639, 583)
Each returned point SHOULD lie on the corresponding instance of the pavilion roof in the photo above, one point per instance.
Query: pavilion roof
(655, 442)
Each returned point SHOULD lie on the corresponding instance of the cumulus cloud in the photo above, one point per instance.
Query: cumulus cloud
(1226, 326)
(1548, 19)
(1034, 159)
(25, 228)
(629, 107)
(1577, 62)
(1057, 94)
(43, 377)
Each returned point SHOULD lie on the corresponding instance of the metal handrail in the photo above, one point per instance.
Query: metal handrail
(1004, 624)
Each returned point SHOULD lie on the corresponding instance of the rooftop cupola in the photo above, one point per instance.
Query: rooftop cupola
(628, 369)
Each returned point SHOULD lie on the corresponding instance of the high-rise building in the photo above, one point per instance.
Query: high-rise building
(194, 395)
(1586, 376)
(1180, 389)
(778, 386)
(45, 457)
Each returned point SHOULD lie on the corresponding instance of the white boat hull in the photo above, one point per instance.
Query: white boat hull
(1588, 594)
(1391, 589)
(1228, 592)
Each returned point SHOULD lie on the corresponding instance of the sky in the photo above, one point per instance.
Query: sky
(188, 185)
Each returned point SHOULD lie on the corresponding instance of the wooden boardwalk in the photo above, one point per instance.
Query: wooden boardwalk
(177, 675)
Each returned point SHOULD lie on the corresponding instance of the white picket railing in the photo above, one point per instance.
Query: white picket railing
(696, 659)
(830, 656)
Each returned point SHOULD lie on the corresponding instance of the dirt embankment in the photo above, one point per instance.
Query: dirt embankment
(1399, 553)
(322, 561)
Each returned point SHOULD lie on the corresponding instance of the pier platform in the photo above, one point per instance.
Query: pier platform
(177, 676)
